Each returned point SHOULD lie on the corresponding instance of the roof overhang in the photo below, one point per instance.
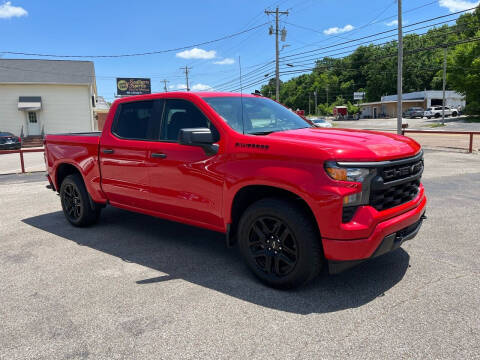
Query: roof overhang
(29, 103)
(389, 102)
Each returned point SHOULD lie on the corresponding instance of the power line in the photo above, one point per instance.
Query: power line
(315, 57)
(370, 36)
(368, 24)
(155, 52)
(376, 34)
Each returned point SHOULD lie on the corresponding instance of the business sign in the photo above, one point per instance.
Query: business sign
(133, 86)
(358, 95)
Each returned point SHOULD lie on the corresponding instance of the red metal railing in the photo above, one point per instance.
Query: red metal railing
(21, 152)
(470, 133)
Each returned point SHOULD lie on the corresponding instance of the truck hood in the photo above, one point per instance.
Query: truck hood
(352, 145)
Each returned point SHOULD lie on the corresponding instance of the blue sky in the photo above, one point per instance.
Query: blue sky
(116, 27)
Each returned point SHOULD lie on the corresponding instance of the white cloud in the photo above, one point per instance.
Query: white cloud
(8, 11)
(201, 87)
(178, 87)
(392, 23)
(458, 5)
(196, 87)
(337, 30)
(226, 61)
(395, 23)
(197, 53)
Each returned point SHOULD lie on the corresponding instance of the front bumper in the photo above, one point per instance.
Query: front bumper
(388, 244)
(389, 235)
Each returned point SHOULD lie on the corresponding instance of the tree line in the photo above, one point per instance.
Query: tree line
(373, 69)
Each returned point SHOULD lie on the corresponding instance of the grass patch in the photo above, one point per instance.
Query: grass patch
(472, 119)
(435, 125)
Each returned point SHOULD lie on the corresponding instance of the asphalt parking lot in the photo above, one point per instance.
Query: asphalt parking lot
(136, 287)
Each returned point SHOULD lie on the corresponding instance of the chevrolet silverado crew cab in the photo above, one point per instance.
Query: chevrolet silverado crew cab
(293, 197)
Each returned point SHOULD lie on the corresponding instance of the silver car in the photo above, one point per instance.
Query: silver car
(318, 122)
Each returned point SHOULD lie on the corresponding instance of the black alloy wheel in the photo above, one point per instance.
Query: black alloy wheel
(273, 246)
(280, 242)
(72, 202)
(77, 206)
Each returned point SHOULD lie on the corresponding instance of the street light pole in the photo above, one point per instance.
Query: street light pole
(400, 71)
(444, 82)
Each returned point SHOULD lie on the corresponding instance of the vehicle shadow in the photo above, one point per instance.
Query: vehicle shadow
(200, 256)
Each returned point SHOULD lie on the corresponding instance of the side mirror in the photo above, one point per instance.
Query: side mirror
(201, 137)
(195, 137)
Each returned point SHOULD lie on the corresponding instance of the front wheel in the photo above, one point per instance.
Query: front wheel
(280, 243)
(76, 203)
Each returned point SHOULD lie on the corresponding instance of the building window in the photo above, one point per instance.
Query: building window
(32, 117)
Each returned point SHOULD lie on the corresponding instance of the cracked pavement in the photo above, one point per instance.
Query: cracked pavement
(136, 287)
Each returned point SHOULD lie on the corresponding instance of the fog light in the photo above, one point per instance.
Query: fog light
(353, 199)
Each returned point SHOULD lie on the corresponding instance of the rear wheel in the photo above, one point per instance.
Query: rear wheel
(76, 203)
(280, 243)
(437, 115)
(454, 114)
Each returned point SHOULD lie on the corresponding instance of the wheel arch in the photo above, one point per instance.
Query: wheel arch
(63, 170)
(249, 194)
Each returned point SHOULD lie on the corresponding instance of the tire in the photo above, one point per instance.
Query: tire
(280, 243)
(76, 203)
(437, 115)
(454, 114)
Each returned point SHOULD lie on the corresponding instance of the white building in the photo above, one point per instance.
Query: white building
(387, 106)
(46, 96)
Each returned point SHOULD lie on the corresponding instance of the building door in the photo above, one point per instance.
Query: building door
(33, 124)
(374, 113)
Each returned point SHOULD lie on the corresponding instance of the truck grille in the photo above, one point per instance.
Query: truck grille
(395, 195)
(397, 182)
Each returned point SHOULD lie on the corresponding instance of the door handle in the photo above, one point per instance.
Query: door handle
(159, 155)
(108, 151)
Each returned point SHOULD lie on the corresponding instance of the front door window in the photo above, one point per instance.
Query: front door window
(33, 124)
(32, 117)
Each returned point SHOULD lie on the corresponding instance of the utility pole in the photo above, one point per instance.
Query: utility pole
(186, 69)
(309, 101)
(316, 105)
(400, 70)
(165, 81)
(277, 51)
(444, 82)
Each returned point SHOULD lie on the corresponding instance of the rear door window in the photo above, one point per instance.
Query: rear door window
(138, 120)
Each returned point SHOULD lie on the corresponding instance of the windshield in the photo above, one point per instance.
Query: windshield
(261, 116)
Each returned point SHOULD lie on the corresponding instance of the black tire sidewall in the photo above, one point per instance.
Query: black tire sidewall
(308, 242)
(87, 215)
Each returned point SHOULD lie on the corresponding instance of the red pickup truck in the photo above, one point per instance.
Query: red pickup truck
(292, 196)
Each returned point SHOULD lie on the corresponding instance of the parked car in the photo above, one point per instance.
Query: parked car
(436, 112)
(321, 123)
(414, 112)
(8, 141)
(294, 197)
